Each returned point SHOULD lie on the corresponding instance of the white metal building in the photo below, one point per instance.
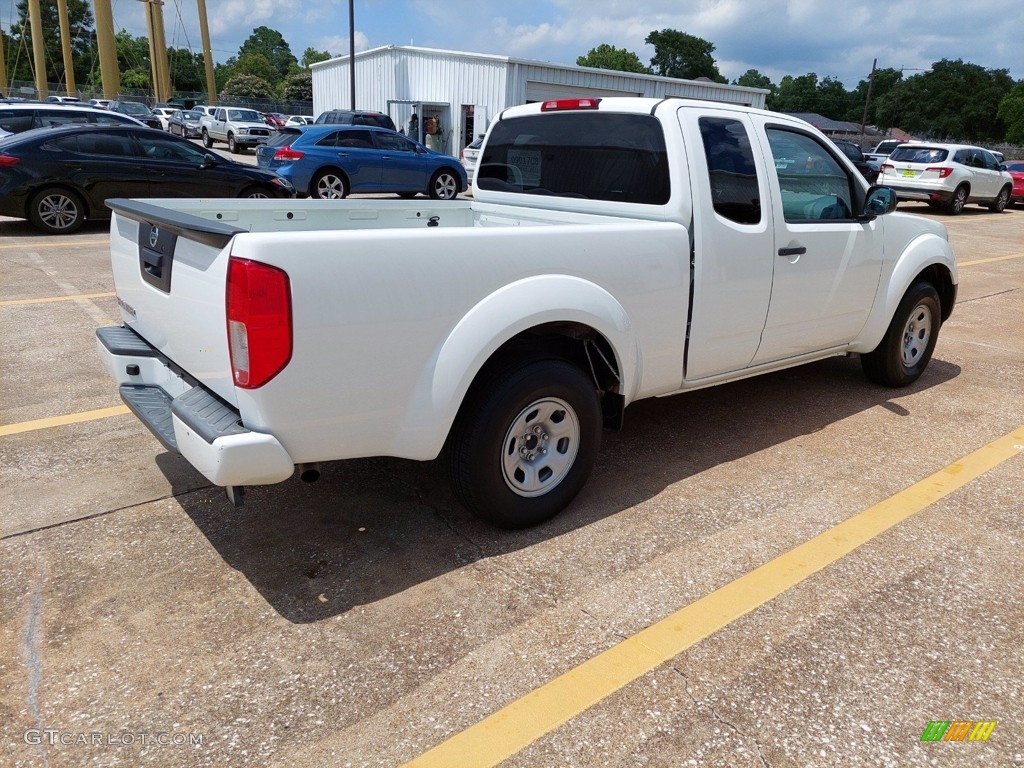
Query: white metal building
(463, 91)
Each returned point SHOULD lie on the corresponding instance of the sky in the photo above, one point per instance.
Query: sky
(776, 37)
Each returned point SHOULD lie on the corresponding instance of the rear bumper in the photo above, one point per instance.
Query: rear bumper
(187, 418)
(937, 195)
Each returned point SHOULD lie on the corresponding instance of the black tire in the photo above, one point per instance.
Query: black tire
(525, 441)
(904, 352)
(328, 184)
(1002, 200)
(232, 146)
(444, 185)
(207, 141)
(407, 195)
(959, 199)
(56, 211)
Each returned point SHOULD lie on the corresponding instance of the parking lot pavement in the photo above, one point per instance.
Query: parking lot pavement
(800, 569)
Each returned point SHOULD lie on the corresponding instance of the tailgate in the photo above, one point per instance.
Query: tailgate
(170, 275)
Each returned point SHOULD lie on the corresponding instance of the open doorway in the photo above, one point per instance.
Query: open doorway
(429, 123)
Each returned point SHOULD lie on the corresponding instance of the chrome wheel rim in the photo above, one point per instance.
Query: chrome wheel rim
(58, 211)
(540, 447)
(916, 335)
(330, 187)
(959, 200)
(444, 187)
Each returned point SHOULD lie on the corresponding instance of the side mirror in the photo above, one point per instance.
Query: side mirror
(210, 160)
(879, 201)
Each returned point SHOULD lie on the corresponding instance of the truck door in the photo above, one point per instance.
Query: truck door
(733, 241)
(827, 264)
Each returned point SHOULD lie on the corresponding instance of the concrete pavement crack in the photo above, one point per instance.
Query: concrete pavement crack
(718, 718)
(30, 653)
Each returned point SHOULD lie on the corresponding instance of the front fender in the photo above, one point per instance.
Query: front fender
(492, 322)
(930, 249)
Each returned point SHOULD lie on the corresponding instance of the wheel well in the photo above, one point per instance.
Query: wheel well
(579, 345)
(942, 280)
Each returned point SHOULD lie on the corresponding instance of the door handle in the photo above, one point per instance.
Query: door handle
(795, 251)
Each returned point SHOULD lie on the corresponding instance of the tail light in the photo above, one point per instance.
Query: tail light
(884, 166)
(259, 321)
(942, 171)
(287, 153)
(6, 161)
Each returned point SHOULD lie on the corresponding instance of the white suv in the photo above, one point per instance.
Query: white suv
(947, 175)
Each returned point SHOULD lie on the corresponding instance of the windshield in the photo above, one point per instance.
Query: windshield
(244, 116)
(134, 108)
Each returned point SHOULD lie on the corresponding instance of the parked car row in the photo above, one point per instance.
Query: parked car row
(948, 176)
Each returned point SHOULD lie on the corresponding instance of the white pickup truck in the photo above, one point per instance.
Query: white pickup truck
(237, 127)
(614, 249)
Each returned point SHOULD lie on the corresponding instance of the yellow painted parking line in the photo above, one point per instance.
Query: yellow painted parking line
(64, 244)
(987, 261)
(13, 302)
(60, 421)
(539, 712)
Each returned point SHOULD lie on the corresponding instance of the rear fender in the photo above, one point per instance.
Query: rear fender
(496, 319)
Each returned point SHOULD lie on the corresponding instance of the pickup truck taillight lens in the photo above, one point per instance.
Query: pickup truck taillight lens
(943, 172)
(259, 321)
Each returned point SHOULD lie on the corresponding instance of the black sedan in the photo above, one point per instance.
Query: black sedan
(59, 177)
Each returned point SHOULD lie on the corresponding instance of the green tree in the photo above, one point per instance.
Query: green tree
(832, 99)
(256, 64)
(883, 81)
(754, 79)
(954, 100)
(312, 56)
(272, 46)
(247, 86)
(678, 54)
(187, 69)
(1011, 112)
(83, 42)
(298, 87)
(132, 60)
(796, 94)
(609, 57)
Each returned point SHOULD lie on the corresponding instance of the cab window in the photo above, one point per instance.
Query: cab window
(813, 185)
(731, 170)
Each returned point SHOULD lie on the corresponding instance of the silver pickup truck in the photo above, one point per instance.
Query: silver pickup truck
(238, 128)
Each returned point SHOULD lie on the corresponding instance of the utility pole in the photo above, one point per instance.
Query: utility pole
(867, 101)
(211, 82)
(65, 46)
(110, 74)
(352, 51)
(38, 54)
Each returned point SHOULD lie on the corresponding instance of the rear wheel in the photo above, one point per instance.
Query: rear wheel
(903, 354)
(328, 185)
(444, 185)
(207, 141)
(958, 201)
(525, 441)
(1002, 199)
(56, 211)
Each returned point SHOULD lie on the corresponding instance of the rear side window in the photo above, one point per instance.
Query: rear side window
(16, 121)
(731, 169)
(590, 155)
(916, 154)
(283, 138)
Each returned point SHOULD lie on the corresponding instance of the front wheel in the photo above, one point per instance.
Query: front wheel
(232, 146)
(1002, 199)
(444, 185)
(904, 352)
(254, 193)
(525, 441)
